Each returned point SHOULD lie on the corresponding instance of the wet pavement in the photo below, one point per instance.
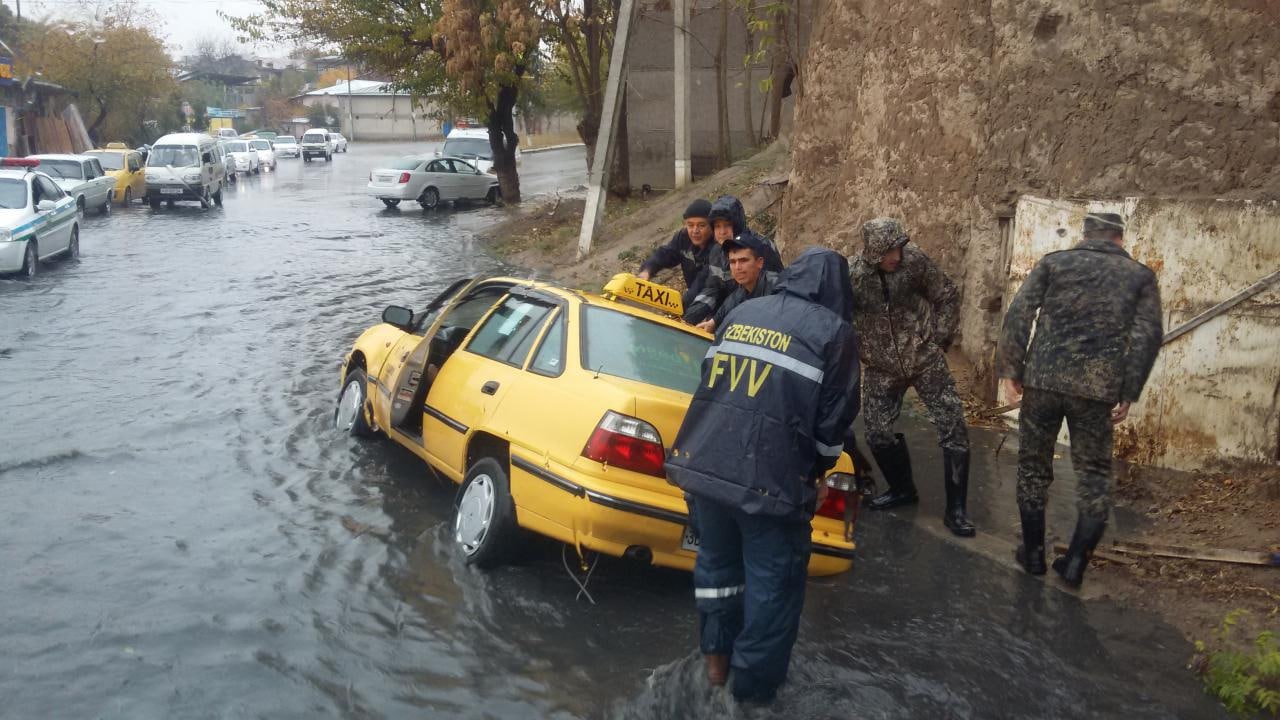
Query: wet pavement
(185, 537)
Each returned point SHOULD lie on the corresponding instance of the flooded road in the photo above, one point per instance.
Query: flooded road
(184, 536)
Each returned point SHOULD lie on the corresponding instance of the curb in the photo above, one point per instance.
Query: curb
(531, 151)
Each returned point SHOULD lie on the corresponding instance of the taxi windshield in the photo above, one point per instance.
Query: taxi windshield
(462, 147)
(626, 346)
(13, 194)
(236, 147)
(286, 140)
(261, 144)
(110, 161)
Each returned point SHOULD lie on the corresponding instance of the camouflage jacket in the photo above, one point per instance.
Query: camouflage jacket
(904, 318)
(1098, 330)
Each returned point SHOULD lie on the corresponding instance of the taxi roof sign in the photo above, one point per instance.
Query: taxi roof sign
(626, 286)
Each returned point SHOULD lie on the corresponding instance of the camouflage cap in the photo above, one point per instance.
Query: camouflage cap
(1103, 221)
(881, 235)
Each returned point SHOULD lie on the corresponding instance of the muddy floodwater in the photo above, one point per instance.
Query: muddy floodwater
(184, 536)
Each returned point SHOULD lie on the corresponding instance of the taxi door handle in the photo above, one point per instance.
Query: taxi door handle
(490, 387)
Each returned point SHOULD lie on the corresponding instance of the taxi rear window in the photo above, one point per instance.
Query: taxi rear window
(630, 347)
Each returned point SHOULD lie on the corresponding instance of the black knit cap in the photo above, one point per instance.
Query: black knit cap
(697, 209)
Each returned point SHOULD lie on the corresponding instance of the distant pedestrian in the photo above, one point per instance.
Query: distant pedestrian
(728, 220)
(906, 311)
(778, 389)
(1096, 313)
(689, 249)
(746, 266)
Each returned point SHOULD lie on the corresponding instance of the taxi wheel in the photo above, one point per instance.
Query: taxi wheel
(484, 522)
(128, 196)
(349, 417)
(106, 207)
(494, 196)
(73, 247)
(391, 204)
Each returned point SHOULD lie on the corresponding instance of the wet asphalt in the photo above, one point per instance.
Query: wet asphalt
(184, 536)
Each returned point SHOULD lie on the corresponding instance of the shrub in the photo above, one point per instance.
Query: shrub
(1247, 682)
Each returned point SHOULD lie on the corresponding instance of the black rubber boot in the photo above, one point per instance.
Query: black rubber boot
(1072, 565)
(895, 464)
(956, 472)
(1030, 554)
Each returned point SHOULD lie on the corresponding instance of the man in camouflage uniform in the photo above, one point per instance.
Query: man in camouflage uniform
(1097, 333)
(906, 311)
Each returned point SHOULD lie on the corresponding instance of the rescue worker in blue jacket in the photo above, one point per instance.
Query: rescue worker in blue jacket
(689, 248)
(728, 220)
(779, 387)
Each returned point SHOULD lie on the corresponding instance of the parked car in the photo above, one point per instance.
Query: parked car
(38, 219)
(125, 166)
(316, 144)
(339, 142)
(83, 178)
(266, 155)
(431, 181)
(471, 144)
(243, 157)
(185, 166)
(550, 408)
(287, 146)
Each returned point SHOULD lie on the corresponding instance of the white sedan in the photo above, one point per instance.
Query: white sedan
(82, 177)
(266, 156)
(38, 219)
(339, 142)
(431, 181)
(287, 146)
(243, 158)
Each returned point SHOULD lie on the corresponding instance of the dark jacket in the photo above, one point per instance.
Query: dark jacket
(680, 251)
(905, 319)
(1098, 330)
(779, 387)
(764, 286)
(719, 284)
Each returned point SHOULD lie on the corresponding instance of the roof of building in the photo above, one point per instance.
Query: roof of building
(360, 87)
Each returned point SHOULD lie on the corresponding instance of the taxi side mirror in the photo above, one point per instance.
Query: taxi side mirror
(400, 317)
(46, 206)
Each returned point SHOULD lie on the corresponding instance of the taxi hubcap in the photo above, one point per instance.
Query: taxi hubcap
(348, 406)
(475, 512)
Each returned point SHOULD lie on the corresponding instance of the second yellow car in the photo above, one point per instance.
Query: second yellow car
(125, 165)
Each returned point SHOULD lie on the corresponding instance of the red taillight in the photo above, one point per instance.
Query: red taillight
(626, 442)
(404, 178)
(20, 162)
(843, 496)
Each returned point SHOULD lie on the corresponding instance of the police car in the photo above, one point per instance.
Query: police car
(550, 407)
(38, 220)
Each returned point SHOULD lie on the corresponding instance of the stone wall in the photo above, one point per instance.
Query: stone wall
(944, 112)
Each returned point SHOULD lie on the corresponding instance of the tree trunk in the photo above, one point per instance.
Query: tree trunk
(503, 141)
(780, 67)
(725, 150)
(620, 174)
(747, 89)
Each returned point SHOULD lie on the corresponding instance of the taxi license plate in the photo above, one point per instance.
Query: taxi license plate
(170, 191)
(689, 541)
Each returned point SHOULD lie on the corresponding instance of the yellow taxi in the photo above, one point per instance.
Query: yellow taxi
(125, 165)
(551, 408)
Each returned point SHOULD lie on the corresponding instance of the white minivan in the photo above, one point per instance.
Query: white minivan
(185, 166)
(316, 144)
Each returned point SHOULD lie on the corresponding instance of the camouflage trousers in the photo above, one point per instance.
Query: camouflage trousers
(882, 402)
(1089, 423)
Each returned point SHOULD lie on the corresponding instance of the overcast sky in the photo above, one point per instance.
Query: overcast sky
(184, 22)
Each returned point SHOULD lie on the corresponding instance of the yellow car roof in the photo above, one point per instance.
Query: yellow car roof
(625, 303)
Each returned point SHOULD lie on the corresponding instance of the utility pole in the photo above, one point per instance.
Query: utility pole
(602, 161)
(684, 170)
(351, 119)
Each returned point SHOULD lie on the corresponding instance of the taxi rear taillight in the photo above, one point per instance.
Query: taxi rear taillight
(404, 178)
(626, 442)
